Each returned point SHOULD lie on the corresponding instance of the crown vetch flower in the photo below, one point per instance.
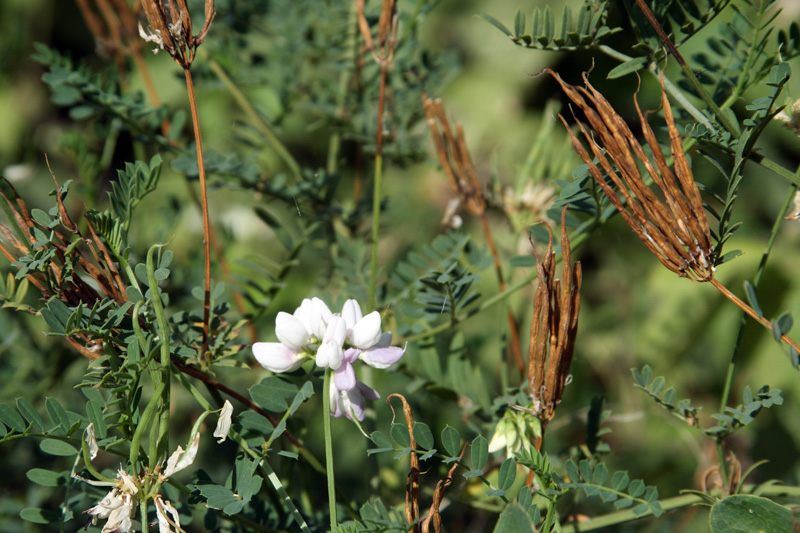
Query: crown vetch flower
(351, 403)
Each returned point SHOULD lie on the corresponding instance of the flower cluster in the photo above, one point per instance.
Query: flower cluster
(335, 341)
(515, 431)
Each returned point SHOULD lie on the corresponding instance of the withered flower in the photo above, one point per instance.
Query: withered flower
(675, 229)
(553, 328)
(171, 28)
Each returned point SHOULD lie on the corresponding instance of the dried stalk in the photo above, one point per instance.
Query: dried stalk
(171, 29)
(383, 55)
(675, 229)
(412, 482)
(460, 172)
(553, 328)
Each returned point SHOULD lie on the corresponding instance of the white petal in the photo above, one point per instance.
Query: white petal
(329, 355)
(319, 317)
(91, 441)
(182, 459)
(351, 312)
(224, 422)
(276, 357)
(163, 508)
(336, 331)
(367, 332)
(291, 331)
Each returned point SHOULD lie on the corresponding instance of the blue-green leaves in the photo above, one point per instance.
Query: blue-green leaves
(595, 481)
(744, 513)
(571, 32)
(240, 489)
(735, 418)
(665, 397)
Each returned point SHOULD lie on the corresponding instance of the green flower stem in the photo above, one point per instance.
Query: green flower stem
(326, 428)
(788, 175)
(787, 202)
(143, 511)
(252, 114)
(144, 422)
(162, 442)
(376, 226)
(87, 462)
(627, 515)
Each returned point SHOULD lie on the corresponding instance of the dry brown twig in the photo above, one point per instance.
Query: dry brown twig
(412, 483)
(463, 179)
(171, 30)
(669, 220)
(553, 328)
(383, 53)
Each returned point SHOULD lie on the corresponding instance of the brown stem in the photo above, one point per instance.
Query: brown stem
(206, 227)
(513, 332)
(660, 31)
(226, 271)
(381, 98)
(750, 311)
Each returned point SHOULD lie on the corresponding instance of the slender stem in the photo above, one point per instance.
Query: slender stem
(326, 428)
(163, 334)
(687, 70)
(787, 202)
(515, 350)
(255, 117)
(376, 224)
(670, 87)
(769, 164)
(376, 192)
(750, 311)
(206, 232)
(351, 45)
(143, 511)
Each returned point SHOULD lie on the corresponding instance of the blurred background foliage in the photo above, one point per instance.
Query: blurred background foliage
(286, 57)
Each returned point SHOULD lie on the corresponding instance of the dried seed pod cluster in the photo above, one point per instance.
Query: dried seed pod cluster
(454, 157)
(553, 328)
(171, 28)
(674, 228)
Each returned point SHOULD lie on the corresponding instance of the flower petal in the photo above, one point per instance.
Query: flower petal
(291, 331)
(181, 459)
(319, 317)
(382, 357)
(224, 422)
(276, 357)
(367, 332)
(336, 331)
(335, 398)
(345, 377)
(329, 355)
(351, 312)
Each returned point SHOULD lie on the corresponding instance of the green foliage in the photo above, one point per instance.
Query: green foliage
(663, 396)
(619, 489)
(288, 98)
(735, 418)
(743, 513)
(585, 29)
(88, 95)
